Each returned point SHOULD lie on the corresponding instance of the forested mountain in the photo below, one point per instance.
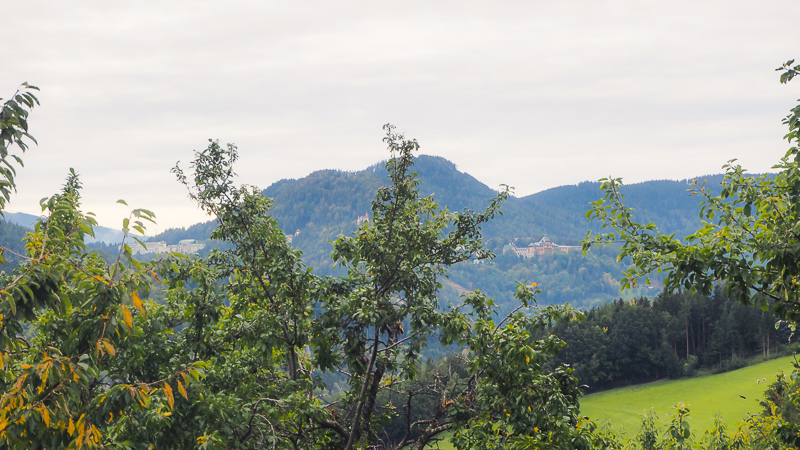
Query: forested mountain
(666, 203)
(334, 199)
(11, 237)
(101, 234)
(327, 203)
(199, 231)
(22, 219)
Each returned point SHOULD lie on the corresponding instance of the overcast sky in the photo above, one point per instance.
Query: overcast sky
(534, 94)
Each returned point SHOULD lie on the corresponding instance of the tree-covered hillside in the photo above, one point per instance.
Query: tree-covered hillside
(665, 202)
(101, 234)
(200, 231)
(11, 240)
(328, 203)
(334, 199)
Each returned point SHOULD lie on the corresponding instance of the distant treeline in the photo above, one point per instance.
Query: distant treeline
(675, 335)
(581, 280)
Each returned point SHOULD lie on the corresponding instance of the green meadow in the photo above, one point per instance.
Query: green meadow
(705, 396)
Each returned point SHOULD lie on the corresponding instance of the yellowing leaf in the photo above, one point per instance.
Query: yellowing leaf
(168, 393)
(45, 416)
(109, 347)
(182, 390)
(99, 278)
(126, 315)
(137, 302)
(18, 384)
(71, 427)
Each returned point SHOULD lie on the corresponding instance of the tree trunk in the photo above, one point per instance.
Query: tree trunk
(704, 334)
(687, 341)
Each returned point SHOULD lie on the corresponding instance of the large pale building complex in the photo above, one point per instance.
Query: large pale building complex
(186, 246)
(542, 247)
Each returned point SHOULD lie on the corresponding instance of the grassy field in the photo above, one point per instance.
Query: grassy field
(705, 396)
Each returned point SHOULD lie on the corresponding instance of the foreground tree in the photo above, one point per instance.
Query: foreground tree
(749, 238)
(749, 241)
(283, 328)
(73, 328)
(13, 131)
(233, 353)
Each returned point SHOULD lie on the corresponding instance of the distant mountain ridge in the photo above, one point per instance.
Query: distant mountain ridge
(667, 203)
(334, 198)
(328, 203)
(101, 234)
